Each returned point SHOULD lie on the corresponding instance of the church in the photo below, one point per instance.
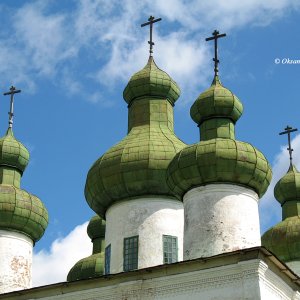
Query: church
(173, 221)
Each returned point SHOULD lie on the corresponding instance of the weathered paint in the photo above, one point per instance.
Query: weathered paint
(219, 218)
(15, 261)
(149, 218)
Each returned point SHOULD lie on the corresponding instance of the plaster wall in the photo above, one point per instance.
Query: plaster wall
(150, 219)
(219, 218)
(15, 261)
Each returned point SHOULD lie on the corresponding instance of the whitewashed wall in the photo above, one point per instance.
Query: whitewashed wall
(150, 218)
(15, 261)
(219, 218)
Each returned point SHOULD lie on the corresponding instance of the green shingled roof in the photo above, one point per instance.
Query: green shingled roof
(19, 210)
(283, 239)
(218, 157)
(93, 265)
(219, 161)
(151, 82)
(288, 187)
(217, 101)
(137, 165)
(12, 152)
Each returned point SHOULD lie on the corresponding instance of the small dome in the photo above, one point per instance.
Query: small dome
(151, 82)
(88, 267)
(22, 211)
(217, 101)
(288, 187)
(217, 161)
(284, 239)
(96, 228)
(12, 152)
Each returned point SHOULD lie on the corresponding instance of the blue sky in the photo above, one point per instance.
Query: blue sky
(72, 60)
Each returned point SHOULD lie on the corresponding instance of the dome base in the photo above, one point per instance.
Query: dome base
(149, 218)
(15, 262)
(219, 218)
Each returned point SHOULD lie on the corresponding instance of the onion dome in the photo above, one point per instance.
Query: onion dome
(284, 238)
(12, 152)
(137, 165)
(218, 157)
(19, 210)
(288, 187)
(217, 101)
(93, 265)
(151, 82)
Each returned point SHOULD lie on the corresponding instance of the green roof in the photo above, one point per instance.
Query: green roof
(137, 165)
(288, 187)
(284, 239)
(217, 101)
(93, 265)
(12, 152)
(151, 82)
(19, 210)
(219, 161)
(96, 228)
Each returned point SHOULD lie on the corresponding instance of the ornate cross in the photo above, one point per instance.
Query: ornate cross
(151, 21)
(215, 37)
(288, 131)
(11, 92)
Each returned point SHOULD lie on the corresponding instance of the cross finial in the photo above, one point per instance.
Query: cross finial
(11, 92)
(151, 21)
(288, 131)
(215, 37)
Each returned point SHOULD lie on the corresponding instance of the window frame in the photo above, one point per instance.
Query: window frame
(170, 257)
(107, 261)
(130, 253)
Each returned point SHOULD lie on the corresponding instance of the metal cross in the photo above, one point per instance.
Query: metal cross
(288, 131)
(151, 21)
(11, 92)
(215, 37)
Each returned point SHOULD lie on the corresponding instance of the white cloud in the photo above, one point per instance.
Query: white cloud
(53, 266)
(270, 209)
(43, 43)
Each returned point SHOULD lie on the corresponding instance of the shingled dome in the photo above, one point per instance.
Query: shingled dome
(218, 157)
(137, 165)
(19, 210)
(151, 82)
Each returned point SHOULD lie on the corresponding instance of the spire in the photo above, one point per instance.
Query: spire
(288, 131)
(12, 92)
(151, 20)
(215, 37)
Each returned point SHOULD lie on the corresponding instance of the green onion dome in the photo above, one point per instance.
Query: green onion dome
(19, 210)
(96, 228)
(217, 101)
(93, 265)
(218, 157)
(288, 187)
(151, 82)
(137, 165)
(283, 239)
(12, 152)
